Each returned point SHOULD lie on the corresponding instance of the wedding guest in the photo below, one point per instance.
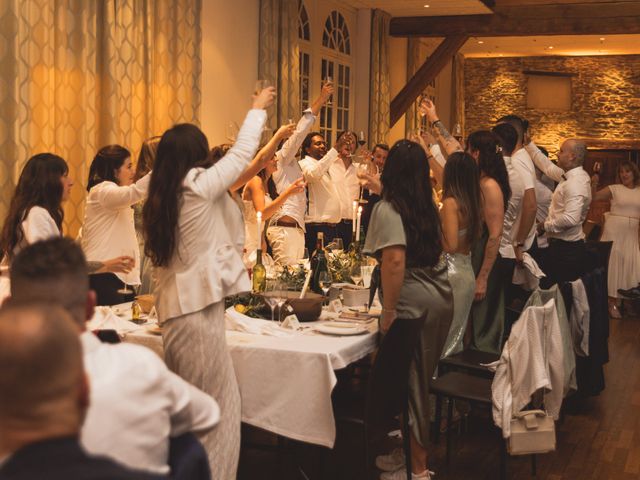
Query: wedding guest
(461, 218)
(406, 238)
(145, 164)
(324, 210)
(379, 157)
(44, 394)
(136, 403)
(343, 174)
(621, 227)
(260, 195)
(108, 228)
(286, 230)
(566, 257)
(192, 245)
(36, 213)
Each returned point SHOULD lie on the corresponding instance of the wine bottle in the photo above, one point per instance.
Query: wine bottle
(318, 264)
(259, 274)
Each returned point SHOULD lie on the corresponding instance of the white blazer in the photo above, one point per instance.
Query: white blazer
(206, 265)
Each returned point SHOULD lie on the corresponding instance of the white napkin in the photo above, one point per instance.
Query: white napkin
(105, 319)
(528, 274)
(239, 322)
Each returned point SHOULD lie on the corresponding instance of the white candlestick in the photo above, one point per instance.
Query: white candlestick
(306, 284)
(259, 219)
(358, 224)
(353, 216)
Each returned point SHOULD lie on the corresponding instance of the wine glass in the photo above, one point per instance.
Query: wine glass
(231, 131)
(125, 290)
(361, 138)
(281, 298)
(269, 296)
(356, 273)
(327, 80)
(338, 245)
(457, 132)
(261, 85)
(363, 168)
(324, 282)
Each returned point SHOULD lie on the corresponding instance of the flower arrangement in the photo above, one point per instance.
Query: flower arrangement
(340, 264)
(293, 276)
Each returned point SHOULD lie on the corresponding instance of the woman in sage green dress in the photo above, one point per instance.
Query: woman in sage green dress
(405, 236)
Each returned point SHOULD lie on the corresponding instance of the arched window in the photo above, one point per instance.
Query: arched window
(336, 33)
(304, 31)
(304, 56)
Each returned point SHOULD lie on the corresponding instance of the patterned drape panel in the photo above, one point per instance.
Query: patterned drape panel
(278, 60)
(413, 63)
(379, 100)
(76, 75)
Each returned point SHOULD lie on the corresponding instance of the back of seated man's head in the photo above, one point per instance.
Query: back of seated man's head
(54, 271)
(43, 390)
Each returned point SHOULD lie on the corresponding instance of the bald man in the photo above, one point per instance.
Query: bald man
(566, 257)
(44, 394)
(136, 402)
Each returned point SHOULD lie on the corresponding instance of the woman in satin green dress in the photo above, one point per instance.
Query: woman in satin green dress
(405, 236)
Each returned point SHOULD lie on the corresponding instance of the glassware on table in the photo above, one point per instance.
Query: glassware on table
(338, 244)
(367, 271)
(324, 281)
(356, 273)
(280, 296)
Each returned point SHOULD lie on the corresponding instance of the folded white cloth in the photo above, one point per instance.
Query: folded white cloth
(105, 319)
(239, 322)
(528, 274)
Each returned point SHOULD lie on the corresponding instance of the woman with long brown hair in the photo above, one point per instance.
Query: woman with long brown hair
(191, 228)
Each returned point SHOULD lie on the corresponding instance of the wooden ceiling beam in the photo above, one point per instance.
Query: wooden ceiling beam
(600, 18)
(425, 74)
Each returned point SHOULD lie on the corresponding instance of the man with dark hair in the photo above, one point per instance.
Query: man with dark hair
(44, 394)
(525, 226)
(136, 402)
(379, 155)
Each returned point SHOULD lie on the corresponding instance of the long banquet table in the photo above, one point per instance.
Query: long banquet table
(286, 382)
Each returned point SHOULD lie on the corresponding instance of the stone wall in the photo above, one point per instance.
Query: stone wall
(605, 96)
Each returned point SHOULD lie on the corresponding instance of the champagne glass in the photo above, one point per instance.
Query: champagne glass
(327, 80)
(361, 138)
(363, 168)
(269, 296)
(281, 299)
(338, 244)
(125, 290)
(356, 273)
(324, 282)
(231, 131)
(457, 132)
(261, 85)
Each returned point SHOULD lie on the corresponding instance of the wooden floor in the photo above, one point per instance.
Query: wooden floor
(599, 438)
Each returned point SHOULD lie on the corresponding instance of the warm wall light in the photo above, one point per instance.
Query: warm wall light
(480, 42)
(427, 6)
(602, 39)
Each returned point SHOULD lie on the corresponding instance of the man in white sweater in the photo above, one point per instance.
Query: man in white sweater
(136, 403)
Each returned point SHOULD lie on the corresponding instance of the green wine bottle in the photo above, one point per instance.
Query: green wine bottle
(259, 274)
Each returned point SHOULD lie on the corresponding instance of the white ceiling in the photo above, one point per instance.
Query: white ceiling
(411, 8)
(566, 45)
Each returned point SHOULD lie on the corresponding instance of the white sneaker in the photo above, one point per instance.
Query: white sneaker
(401, 474)
(392, 461)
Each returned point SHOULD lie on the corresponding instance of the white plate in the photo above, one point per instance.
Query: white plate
(340, 328)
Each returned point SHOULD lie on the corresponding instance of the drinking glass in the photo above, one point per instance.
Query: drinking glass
(338, 244)
(328, 80)
(361, 138)
(324, 282)
(125, 290)
(231, 131)
(364, 167)
(281, 298)
(261, 85)
(356, 273)
(269, 296)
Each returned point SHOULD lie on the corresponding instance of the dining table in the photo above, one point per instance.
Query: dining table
(285, 375)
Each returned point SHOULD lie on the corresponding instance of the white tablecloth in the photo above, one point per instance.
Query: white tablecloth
(286, 383)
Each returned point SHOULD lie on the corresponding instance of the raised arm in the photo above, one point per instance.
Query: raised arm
(116, 196)
(273, 207)
(543, 163)
(597, 195)
(313, 170)
(434, 155)
(449, 143)
(493, 209)
(219, 178)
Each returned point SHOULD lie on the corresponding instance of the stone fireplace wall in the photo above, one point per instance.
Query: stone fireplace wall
(605, 97)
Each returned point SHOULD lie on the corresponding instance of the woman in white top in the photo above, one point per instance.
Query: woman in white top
(260, 195)
(108, 228)
(35, 211)
(192, 226)
(621, 227)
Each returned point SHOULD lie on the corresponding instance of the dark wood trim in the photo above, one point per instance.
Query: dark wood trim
(549, 74)
(622, 144)
(425, 74)
(604, 18)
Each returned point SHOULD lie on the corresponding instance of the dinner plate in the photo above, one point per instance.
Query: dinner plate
(154, 330)
(340, 328)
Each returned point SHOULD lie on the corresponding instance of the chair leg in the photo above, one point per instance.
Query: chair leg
(533, 465)
(449, 420)
(405, 438)
(438, 418)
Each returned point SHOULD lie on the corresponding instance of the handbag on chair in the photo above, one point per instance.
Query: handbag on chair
(532, 431)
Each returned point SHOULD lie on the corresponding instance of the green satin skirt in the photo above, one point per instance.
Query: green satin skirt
(463, 285)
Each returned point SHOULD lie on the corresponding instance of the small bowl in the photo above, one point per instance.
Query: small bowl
(307, 309)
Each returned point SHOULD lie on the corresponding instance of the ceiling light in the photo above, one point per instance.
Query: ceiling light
(550, 47)
(602, 39)
(427, 6)
(480, 41)
(500, 55)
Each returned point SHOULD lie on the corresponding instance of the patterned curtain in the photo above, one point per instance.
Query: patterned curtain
(77, 75)
(413, 63)
(278, 60)
(379, 100)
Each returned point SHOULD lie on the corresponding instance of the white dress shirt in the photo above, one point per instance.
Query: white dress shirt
(570, 201)
(108, 230)
(37, 225)
(543, 202)
(512, 213)
(289, 171)
(206, 265)
(523, 164)
(136, 404)
(347, 186)
(324, 205)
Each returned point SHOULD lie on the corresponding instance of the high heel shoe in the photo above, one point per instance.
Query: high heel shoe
(614, 311)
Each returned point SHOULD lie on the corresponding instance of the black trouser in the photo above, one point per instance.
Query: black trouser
(311, 236)
(106, 286)
(344, 231)
(563, 262)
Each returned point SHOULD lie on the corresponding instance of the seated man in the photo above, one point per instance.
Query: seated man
(136, 402)
(44, 394)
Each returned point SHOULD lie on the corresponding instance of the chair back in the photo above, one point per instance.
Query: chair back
(188, 459)
(388, 381)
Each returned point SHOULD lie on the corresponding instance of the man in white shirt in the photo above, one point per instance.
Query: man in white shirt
(136, 403)
(343, 174)
(565, 258)
(286, 227)
(525, 226)
(324, 212)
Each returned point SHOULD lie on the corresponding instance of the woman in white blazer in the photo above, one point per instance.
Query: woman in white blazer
(108, 229)
(192, 227)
